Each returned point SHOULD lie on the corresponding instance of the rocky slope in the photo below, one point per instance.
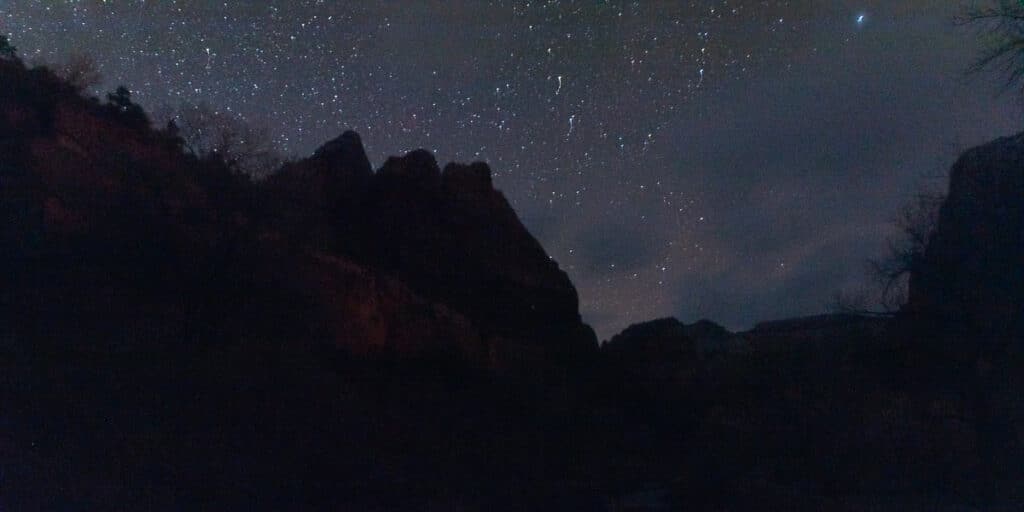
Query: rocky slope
(174, 336)
(403, 261)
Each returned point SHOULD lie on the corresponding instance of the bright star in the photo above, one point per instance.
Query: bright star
(861, 18)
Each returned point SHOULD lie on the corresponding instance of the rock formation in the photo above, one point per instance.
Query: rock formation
(450, 236)
(971, 277)
(405, 260)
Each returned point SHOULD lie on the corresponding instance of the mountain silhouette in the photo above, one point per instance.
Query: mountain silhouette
(176, 336)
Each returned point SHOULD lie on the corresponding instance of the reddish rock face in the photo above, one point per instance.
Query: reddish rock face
(408, 261)
(450, 236)
(453, 237)
(368, 313)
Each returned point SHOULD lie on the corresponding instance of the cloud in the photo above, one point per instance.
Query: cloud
(610, 248)
(797, 173)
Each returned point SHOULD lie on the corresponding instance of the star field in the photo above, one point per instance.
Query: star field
(736, 160)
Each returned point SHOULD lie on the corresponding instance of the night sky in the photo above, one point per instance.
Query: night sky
(732, 160)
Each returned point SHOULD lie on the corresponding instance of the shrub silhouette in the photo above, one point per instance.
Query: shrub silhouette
(120, 102)
(7, 51)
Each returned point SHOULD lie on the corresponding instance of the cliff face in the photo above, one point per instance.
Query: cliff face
(972, 273)
(450, 236)
(967, 292)
(405, 261)
(456, 239)
(325, 340)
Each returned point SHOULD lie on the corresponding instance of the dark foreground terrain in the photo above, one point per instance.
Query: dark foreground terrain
(174, 336)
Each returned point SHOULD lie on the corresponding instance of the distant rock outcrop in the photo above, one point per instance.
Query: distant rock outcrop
(656, 356)
(826, 332)
(709, 336)
(661, 338)
(670, 339)
(971, 277)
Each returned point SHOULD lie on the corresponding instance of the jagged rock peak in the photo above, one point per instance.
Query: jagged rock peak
(417, 166)
(476, 176)
(347, 152)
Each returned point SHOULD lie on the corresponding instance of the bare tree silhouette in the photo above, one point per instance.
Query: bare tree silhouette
(916, 223)
(211, 133)
(889, 275)
(1001, 23)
